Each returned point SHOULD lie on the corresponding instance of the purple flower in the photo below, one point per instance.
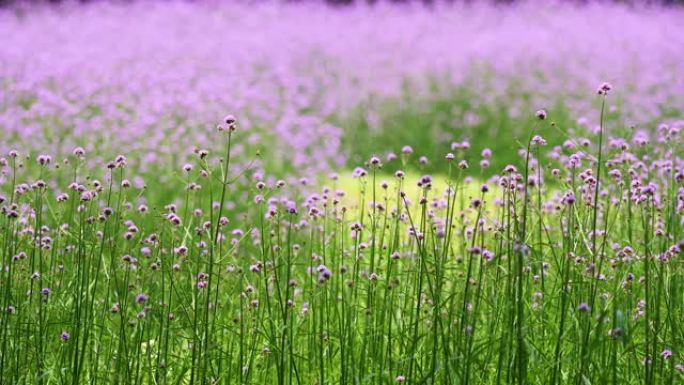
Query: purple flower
(359, 172)
(44, 160)
(425, 181)
(604, 88)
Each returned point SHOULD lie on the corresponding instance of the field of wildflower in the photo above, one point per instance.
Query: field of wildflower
(301, 193)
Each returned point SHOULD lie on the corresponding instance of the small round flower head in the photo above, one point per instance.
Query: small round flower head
(120, 161)
(375, 161)
(604, 88)
(538, 140)
(79, 152)
(229, 123)
(400, 379)
(583, 307)
(540, 114)
(174, 219)
(510, 169)
(45, 291)
(569, 198)
(141, 298)
(291, 208)
(65, 336)
(44, 159)
(359, 172)
(666, 354)
(202, 153)
(425, 181)
(407, 150)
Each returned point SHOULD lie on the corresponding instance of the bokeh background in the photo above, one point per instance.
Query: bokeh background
(320, 88)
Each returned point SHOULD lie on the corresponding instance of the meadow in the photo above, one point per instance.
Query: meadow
(207, 193)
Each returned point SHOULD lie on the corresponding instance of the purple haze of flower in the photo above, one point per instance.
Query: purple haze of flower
(283, 70)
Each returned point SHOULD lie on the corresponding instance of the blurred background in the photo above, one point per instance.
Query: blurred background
(319, 88)
(348, 2)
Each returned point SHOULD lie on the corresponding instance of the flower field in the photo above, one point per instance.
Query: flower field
(208, 193)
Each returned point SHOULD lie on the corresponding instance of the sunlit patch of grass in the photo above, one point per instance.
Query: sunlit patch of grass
(355, 187)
